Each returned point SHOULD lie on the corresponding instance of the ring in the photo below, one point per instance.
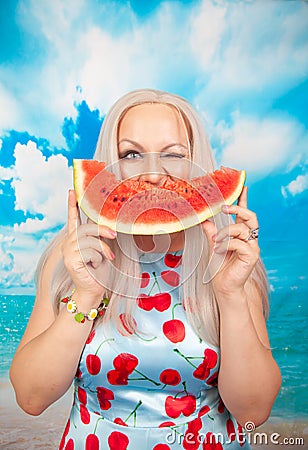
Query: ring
(253, 234)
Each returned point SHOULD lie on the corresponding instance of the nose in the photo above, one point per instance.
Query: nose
(153, 170)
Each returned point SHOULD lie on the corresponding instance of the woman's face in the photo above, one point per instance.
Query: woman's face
(153, 144)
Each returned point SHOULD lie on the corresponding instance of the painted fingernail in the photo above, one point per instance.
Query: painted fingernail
(112, 233)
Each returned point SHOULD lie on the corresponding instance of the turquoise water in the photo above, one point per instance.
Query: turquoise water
(287, 325)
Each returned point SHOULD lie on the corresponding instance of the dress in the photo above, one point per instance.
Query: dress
(155, 390)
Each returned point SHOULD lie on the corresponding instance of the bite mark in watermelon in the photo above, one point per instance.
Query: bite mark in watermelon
(138, 207)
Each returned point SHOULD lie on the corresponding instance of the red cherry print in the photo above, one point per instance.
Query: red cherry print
(202, 372)
(173, 407)
(191, 437)
(126, 362)
(82, 395)
(116, 377)
(174, 330)
(119, 421)
(78, 373)
(172, 260)
(230, 430)
(92, 442)
(204, 410)
(241, 435)
(103, 396)
(145, 302)
(213, 380)
(182, 405)
(161, 301)
(65, 433)
(221, 407)
(210, 358)
(90, 337)
(145, 279)
(93, 364)
(210, 443)
(166, 424)
(188, 405)
(161, 447)
(118, 441)
(209, 361)
(84, 414)
(195, 425)
(171, 277)
(70, 445)
(170, 376)
(123, 317)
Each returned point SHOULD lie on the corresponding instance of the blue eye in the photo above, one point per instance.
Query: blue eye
(131, 154)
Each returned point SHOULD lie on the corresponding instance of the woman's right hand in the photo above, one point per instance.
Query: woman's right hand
(85, 254)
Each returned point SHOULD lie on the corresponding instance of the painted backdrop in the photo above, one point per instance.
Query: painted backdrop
(242, 64)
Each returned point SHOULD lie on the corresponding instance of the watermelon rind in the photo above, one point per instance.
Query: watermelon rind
(138, 228)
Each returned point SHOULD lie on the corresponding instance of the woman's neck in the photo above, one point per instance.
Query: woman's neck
(160, 243)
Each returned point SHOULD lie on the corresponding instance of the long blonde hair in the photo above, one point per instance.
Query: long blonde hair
(198, 297)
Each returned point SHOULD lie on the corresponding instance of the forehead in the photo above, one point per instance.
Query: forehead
(149, 117)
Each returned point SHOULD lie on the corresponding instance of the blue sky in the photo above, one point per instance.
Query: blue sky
(242, 64)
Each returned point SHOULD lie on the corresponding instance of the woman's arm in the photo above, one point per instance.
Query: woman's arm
(47, 358)
(249, 378)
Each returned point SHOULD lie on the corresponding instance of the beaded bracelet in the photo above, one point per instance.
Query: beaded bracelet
(80, 317)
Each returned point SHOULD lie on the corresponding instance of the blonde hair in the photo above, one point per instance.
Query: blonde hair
(198, 297)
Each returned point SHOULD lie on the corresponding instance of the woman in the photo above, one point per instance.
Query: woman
(181, 364)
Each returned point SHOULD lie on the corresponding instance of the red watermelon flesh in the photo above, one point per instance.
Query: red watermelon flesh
(139, 207)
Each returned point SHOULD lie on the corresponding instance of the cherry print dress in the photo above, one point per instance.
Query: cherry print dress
(155, 390)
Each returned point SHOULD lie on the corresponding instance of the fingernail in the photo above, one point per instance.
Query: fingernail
(225, 208)
(112, 233)
(214, 237)
(111, 254)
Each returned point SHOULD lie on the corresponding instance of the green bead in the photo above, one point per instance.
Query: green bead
(105, 301)
(79, 317)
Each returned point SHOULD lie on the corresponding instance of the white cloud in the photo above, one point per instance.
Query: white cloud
(147, 54)
(297, 186)
(106, 57)
(9, 110)
(207, 27)
(261, 146)
(7, 173)
(260, 52)
(40, 187)
(19, 254)
(214, 49)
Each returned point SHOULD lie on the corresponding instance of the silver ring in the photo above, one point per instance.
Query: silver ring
(253, 234)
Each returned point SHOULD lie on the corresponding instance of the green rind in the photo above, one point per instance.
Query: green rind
(149, 229)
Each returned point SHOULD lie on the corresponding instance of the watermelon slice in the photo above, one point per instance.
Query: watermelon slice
(138, 207)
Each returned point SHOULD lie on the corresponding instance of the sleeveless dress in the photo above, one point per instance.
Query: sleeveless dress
(156, 389)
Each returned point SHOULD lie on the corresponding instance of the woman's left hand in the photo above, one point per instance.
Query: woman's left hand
(236, 244)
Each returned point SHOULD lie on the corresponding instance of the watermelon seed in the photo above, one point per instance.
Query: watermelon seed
(123, 199)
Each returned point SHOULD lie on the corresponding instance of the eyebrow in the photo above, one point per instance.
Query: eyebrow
(175, 144)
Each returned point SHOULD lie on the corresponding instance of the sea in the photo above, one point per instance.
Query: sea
(286, 266)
